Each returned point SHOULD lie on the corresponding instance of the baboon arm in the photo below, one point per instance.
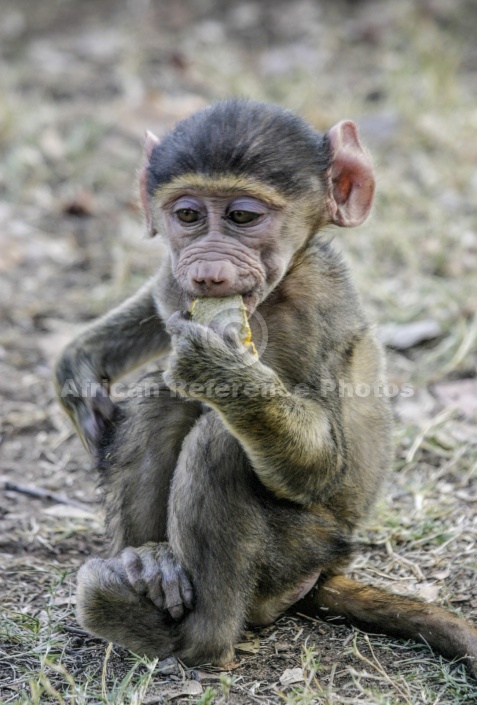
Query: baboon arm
(291, 442)
(112, 346)
(116, 343)
(377, 611)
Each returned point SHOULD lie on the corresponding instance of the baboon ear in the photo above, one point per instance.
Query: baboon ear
(149, 143)
(350, 177)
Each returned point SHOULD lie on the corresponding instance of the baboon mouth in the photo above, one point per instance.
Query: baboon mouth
(251, 299)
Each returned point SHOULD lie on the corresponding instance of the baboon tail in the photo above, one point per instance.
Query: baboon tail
(374, 610)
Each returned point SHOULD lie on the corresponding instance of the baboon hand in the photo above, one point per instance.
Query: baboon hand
(91, 414)
(201, 354)
(152, 570)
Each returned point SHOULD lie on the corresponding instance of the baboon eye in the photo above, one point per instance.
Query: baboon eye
(242, 217)
(187, 215)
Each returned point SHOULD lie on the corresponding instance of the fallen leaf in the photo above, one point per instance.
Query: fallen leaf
(291, 676)
(461, 393)
(428, 591)
(168, 667)
(250, 647)
(182, 690)
(418, 408)
(209, 675)
(466, 497)
(402, 336)
(186, 688)
(64, 601)
(62, 511)
(460, 598)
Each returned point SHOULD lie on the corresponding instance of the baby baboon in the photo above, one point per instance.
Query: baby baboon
(234, 481)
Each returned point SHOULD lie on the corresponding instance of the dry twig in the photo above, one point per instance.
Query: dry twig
(39, 493)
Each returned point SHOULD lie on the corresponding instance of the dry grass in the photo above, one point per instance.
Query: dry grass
(77, 90)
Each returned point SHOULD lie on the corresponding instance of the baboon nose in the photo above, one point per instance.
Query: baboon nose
(213, 278)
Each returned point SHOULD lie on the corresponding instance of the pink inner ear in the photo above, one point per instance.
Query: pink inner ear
(149, 143)
(350, 178)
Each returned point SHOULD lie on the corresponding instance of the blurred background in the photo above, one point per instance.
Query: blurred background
(79, 84)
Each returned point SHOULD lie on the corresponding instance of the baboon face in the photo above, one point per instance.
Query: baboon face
(223, 245)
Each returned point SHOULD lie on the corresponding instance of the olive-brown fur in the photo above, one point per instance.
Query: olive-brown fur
(233, 484)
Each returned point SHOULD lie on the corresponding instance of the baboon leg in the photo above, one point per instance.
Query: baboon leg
(214, 522)
(217, 531)
(377, 611)
(136, 461)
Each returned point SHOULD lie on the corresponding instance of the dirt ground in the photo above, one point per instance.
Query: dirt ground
(79, 84)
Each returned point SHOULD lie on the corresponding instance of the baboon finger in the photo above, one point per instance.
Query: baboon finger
(172, 595)
(186, 589)
(134, 568)
(152, 578)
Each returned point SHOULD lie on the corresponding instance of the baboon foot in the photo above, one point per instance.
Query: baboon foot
(118, 599)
